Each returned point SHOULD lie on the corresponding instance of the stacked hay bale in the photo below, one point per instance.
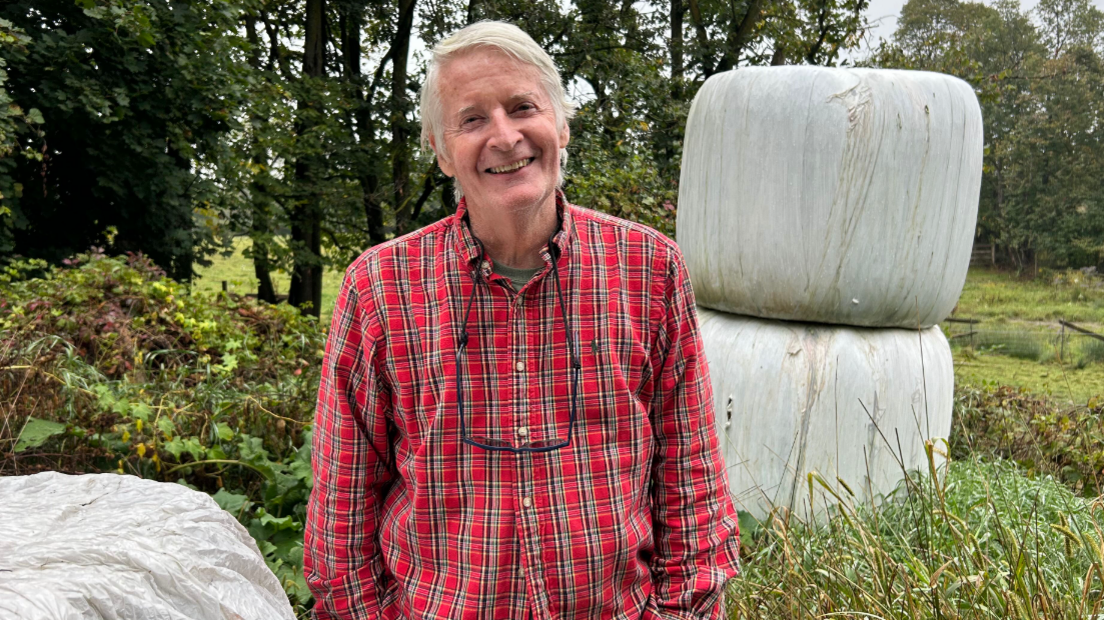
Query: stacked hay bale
(826, 217)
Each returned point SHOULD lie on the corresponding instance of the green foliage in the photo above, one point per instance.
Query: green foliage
(624, 180)
(979, 541)
(134, 99)
(16, 127)
(1041, 89)
(1066, 442)
(107, 365)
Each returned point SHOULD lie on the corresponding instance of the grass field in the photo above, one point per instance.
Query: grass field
(1016, 343)
(1062, 381)
(990, 293)
(237, 272)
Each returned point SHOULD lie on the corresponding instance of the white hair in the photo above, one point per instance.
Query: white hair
(510, 40)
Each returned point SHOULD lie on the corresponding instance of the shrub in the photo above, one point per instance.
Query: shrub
(107, 365)
(1066, 442)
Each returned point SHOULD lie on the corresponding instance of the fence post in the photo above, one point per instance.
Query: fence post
(1062, 345)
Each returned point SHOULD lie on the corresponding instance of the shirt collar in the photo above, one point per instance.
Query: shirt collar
(469, 246)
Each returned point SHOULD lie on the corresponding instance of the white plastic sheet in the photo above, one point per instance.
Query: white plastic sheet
(844, 196)
(119, 547)
(791, 398)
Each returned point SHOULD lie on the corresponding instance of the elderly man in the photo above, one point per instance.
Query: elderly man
(515, 415)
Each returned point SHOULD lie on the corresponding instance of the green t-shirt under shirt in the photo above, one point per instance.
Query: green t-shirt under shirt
(520, 277)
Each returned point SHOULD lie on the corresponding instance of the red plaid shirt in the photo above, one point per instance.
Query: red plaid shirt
(632, 520)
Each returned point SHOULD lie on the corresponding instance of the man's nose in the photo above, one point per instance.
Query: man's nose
(504, 133)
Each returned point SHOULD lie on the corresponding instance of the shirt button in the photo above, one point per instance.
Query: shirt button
(520, 366)
(486, 264)
(523, 431)
(527, 502)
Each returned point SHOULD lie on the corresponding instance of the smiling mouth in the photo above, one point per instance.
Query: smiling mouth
(517, 165)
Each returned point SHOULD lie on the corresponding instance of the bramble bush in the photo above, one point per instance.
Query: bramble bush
(108, 365)
(1043, 436)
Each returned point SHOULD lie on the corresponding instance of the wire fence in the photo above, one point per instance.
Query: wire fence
(1062, 341)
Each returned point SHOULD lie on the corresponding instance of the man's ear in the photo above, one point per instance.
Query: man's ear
(442, 162)
(565, 135)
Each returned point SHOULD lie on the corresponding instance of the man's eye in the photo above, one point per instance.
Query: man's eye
(525, 107)
(469, 120)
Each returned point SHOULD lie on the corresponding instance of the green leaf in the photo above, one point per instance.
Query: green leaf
(229, 363)
(141, 411)
(166, 426)
(233, 503)
(749, 525)
(266, 547)
(194, 448)
(174, 447)
(302, 470)
(35, 116)
(279, 523)
(35, 433)
(225, 432)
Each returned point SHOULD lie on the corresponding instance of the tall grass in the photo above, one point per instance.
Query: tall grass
(973, 540)
(1021, 345)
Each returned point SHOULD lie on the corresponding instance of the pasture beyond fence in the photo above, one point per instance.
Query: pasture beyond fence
(1061, 341)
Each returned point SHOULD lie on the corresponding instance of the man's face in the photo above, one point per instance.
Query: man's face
(501, 139)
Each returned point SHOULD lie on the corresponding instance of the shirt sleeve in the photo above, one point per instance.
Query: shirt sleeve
(352, 467)
(695, 525)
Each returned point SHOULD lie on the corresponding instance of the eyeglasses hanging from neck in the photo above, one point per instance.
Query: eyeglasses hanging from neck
(499, 445)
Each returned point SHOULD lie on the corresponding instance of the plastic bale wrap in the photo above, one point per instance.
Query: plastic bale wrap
(793, 398)
(844, 196)
(110, 546)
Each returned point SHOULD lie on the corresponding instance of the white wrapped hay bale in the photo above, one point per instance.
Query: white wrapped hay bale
(793, 398)
(843, 196)
(109, 546)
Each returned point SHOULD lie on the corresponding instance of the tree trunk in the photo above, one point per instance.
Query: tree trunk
(400, 106)
(702, 37)
(352, 22)
(306, 216)
(677, 12)
(261, 218)
(779, 57)
(739, 36)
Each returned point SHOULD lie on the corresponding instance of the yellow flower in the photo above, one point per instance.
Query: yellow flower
(141, 449)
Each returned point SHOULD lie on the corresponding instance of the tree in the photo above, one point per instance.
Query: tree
(18, 131)
(171, 126)
(1039, 88)
(134, 97)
